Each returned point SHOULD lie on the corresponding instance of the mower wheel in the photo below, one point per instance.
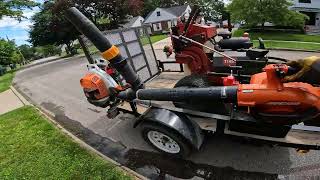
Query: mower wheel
(193, 80)
(198, 81)
(165, 140)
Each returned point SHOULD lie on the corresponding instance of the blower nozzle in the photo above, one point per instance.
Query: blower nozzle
(226, 94)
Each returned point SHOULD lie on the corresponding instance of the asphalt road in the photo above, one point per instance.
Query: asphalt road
(55, 87)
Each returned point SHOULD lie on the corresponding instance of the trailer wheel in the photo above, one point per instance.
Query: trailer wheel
(165, 140)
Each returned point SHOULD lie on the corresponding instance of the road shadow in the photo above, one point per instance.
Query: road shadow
(157, 166)
(219, 157)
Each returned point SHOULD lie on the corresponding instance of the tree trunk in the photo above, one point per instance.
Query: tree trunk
(262, 26)
(69, 49)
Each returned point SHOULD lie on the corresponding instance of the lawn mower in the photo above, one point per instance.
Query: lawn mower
(265, 108)
(197, 46)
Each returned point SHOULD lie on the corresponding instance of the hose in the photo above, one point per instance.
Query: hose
(86, 27)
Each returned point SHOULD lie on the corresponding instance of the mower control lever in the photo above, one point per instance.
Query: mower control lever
(281, 73)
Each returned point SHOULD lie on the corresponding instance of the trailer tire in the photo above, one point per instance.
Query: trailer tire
(153, 132)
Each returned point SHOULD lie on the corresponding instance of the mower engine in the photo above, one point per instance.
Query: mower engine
(201, 60)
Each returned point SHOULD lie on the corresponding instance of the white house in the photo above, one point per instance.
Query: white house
(162, 19)
(136, 21)
(312, 9)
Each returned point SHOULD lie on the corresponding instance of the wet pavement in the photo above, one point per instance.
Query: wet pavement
(55, 87)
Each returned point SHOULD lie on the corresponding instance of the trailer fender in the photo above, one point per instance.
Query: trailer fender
(176, 121)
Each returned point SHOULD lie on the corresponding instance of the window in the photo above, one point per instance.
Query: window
(304, 1)
(158, 26)
(158, 13)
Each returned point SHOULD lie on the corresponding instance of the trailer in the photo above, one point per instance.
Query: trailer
(175, 120)
(178, 132)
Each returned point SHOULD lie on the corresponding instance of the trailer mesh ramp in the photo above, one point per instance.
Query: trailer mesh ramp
(135, 46)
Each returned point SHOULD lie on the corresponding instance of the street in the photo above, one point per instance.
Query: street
(55, 87)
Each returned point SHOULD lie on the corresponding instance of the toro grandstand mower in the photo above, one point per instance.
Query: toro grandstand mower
(265, 109)
(198, 47)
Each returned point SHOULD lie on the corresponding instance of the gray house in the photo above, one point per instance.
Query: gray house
(162, 19)
(310, 8)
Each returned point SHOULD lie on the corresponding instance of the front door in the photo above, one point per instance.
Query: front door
(312, 18)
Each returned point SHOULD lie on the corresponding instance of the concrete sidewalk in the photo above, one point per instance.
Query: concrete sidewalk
(11, 100)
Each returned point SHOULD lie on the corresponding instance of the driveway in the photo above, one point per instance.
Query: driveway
(55, 87)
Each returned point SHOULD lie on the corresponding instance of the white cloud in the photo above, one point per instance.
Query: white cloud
(13, 23)
(20, 38)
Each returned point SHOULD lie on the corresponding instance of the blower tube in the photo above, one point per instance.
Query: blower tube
(109, 51)
(226, 94)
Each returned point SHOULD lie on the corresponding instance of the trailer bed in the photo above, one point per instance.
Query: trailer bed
(300, 136)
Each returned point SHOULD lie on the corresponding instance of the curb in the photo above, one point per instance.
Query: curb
(51, 60)
(300, 50)
(19, 96)
(49, 117)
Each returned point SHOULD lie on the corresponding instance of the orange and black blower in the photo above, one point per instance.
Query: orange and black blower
(99, 86)
(266, 98)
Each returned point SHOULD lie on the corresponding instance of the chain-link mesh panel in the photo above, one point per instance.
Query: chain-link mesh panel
(135, 46)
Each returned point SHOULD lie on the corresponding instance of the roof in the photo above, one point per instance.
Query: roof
(132, 21)
(305, 9)
(166, 14)
(177, 10)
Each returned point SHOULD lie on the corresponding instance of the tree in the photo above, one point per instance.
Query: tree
(13, 8)
(257, 12)
(27, 51)
(8, 53)
(135, 7)
(295, 20)
(51, 28)
(47, 50)
(106, 14)
(212, 10)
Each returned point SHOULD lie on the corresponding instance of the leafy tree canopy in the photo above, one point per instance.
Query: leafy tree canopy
(13, 8)
(51, 28)
(257, 12)
(8, 53)
(212, 10)
(27, 51)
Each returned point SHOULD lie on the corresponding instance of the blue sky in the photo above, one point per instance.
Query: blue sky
(15, 29)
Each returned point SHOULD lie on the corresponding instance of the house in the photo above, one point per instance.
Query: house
(136, 21)
(312, 9)
(161, 19)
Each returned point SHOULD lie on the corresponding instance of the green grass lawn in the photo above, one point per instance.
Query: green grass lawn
(282, 36)
(289, 45)
(32, 148)
(309, 40)
(154, 38)
(6, 80)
